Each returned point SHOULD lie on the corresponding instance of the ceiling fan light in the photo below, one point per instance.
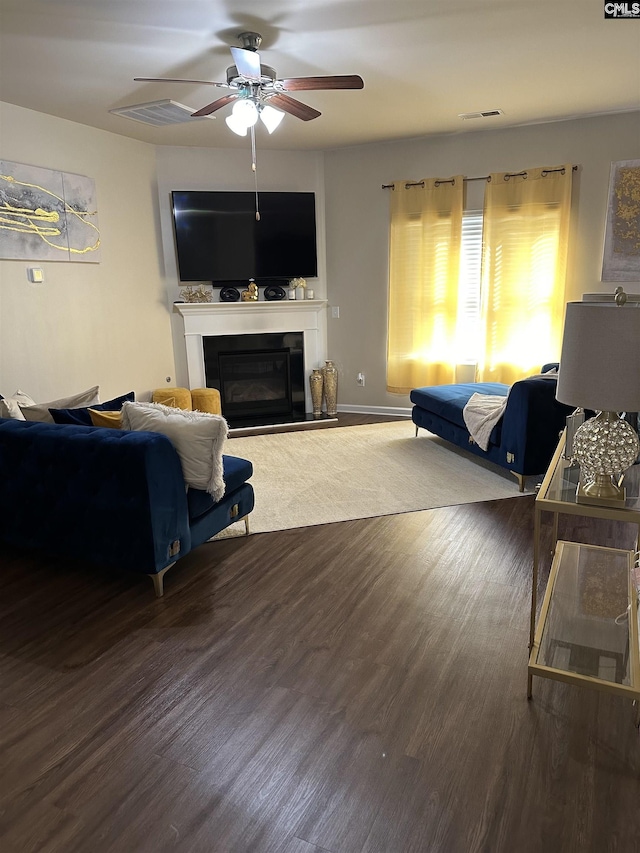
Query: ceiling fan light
(237, 125)
(270, 117)
(245, 111)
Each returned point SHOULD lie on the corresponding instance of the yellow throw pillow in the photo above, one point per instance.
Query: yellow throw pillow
(106, 419)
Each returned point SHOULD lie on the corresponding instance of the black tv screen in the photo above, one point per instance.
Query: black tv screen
(218, 238)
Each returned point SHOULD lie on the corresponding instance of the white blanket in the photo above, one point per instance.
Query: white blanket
(483, 411)
(481, 414)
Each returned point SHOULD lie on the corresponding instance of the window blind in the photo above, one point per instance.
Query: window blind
(468, 330)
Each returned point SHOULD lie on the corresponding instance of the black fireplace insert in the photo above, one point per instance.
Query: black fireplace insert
(260, 376)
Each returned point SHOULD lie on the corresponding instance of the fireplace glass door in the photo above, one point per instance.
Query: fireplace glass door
(260, 376)
(255, 383)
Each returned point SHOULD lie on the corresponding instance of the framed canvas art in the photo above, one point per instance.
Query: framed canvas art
(621, 258)
(47, 215)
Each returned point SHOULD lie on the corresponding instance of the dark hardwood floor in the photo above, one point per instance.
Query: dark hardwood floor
(357, 687)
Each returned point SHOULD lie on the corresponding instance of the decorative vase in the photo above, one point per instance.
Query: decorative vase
(316, 382)
(292, 293)
(273, 293)
(330, 376)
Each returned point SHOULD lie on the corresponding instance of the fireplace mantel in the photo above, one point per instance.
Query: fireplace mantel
(202, 319)
(226, 309)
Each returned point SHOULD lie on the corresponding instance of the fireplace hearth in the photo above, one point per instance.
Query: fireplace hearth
(260, 376)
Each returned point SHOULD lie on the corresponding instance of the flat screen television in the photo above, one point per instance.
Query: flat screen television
(218, 238)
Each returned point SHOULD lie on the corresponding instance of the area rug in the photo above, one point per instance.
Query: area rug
(323, 475)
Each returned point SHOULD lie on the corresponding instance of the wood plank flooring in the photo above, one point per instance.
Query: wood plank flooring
(357, 687)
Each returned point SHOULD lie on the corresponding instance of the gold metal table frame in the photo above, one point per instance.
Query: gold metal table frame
(557, 494)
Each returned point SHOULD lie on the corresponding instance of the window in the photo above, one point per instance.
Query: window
(483, 288)
(468, 328)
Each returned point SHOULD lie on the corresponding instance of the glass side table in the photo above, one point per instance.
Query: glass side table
(557, 495)
(588, 628)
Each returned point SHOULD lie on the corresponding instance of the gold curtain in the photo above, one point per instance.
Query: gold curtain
(524, 257)
(424, 263)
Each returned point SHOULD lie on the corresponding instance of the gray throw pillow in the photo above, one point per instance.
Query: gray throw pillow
(40, 411)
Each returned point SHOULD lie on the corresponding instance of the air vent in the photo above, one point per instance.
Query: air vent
(158, 113)
(483, 114)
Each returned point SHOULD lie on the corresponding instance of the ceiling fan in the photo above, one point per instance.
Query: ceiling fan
(259, 86)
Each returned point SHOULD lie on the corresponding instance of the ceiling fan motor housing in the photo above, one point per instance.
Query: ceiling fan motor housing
(267, 76)
(250, 41)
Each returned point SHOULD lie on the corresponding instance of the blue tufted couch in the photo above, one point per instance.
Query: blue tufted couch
(109, 496)
(523, 441)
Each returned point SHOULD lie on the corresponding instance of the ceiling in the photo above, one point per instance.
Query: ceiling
(423, 62)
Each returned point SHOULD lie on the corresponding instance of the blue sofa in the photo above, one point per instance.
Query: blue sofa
(110, 497)
(523, 441)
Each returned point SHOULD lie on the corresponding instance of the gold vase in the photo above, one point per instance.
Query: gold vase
(316, 382)
(330, 376)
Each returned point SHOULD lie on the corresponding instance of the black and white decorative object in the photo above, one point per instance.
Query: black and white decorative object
(229, 294)
(273, 293)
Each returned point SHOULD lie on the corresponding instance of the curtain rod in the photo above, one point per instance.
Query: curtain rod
(480, 178)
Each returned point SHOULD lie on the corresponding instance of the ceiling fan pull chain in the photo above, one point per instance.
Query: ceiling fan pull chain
(254, 166)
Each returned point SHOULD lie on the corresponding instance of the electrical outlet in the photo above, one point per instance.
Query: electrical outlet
(360, 379)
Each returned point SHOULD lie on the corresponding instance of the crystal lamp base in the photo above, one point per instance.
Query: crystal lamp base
(604, 447)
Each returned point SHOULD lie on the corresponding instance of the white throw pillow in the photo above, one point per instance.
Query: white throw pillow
(10, 406)
(198, 438)
(40, 411)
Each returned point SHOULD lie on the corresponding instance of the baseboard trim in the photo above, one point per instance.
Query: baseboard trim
(389, 411)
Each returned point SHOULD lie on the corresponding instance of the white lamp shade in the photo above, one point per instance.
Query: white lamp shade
(245, 111)
(236, 125)
(600, 361)
(271, 117)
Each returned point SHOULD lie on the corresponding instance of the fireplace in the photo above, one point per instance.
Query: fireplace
(198, 321)
(260, 376)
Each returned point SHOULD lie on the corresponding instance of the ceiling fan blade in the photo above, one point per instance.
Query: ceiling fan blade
(293, 107)
(215, 105)
(344, 81)
(179, 80)
(247, 62)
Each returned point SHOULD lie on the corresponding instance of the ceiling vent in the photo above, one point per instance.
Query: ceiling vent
(158, 113)
(484, 114)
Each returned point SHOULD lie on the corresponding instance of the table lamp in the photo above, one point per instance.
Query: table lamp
(600, 370)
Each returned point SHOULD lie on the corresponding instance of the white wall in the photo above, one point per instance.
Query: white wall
(230, 169)
(111, 323)
(107, 323)
(357, 212)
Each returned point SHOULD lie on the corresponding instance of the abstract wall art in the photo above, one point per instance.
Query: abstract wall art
(621, 258)
(47, 215)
